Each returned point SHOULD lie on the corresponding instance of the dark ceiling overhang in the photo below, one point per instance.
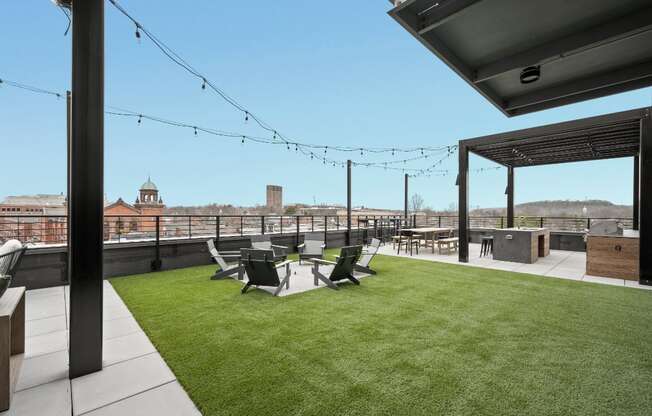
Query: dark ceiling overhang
(585, 48)
(603, 137)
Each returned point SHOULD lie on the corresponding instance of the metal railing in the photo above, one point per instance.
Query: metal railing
(572, 224)
(52, 229)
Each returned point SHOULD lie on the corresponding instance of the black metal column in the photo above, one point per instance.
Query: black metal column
(405, 208)
(348, 202)
(645, 201)
(635, 202)
(463, 203)
(86, 198)
(510, 197)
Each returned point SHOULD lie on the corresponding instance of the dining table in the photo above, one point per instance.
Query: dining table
(430, 234)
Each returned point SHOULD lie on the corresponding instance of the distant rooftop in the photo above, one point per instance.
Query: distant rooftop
(43, 200)
(149, 185)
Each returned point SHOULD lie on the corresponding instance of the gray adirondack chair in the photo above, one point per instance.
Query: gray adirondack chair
(343, 267)
(226, 269)
(264, 242)
(367, 255)
(262, 270)
(11, 254)
(312, 247)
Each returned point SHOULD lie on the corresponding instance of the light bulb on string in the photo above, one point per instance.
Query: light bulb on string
(203, 83)
(138, 32)
(140, 118)
(243, 139)
(246, 116)
(195, 131)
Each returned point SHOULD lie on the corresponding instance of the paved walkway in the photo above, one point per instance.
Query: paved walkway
(135, 379)
(559, 264)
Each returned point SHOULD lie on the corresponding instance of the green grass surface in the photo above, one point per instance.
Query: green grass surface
(420, 338)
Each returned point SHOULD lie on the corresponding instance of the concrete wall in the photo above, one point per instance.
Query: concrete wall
(47, 267)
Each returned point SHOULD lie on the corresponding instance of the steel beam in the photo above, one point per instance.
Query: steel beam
(86, 198)
(442, 13)
(604, 34)
(405, 208)
(635, 202)
(510, 197)
(645, 204)
(463, 203)
(620, 78)
(348, 202)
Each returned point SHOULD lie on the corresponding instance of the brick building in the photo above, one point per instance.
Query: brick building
(42, 218)
(122, 219)
(275, 198)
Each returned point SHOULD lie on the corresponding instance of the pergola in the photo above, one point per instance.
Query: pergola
(529, 55)
(616, 135)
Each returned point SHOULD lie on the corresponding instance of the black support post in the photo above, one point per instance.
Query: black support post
(463, 203)
(405, 202)
(348, 202)
(645, 201)
(86, 179)
(635, 202)
(510, 197)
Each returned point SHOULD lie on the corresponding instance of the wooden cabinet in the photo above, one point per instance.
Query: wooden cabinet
(612, 256)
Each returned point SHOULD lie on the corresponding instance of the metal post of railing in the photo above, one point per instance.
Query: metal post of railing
(18, 228)
(119, 226)
(326, 230)
(439, 221)
(281, 225)
(189, 227)
(312, 223)
(298, 219)
(357, 237)
(156, 264)
(262, 224)
(588, 223)
(217, 232)
(541, 222)
(337, 220)
(502, 222)
(241, 225)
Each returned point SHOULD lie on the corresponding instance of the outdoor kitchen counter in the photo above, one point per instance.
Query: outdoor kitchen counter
(521, 245)
(613, 255)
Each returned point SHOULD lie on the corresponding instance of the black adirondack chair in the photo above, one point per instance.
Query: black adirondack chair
(343, 267)
(262, 270)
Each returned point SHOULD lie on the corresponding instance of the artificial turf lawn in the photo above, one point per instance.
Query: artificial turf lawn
(420, 338)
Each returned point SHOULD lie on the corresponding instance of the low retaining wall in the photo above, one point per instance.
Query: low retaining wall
(47, 266)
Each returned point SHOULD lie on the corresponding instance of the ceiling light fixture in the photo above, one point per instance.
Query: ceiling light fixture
(530, 74)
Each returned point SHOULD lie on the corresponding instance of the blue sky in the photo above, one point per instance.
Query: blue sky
(321, 72)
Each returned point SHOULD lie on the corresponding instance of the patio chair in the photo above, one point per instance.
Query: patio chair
(264, 242)
(367, 255)
(11, 254)
(312, 247)
(448, 244)
(262, 270)
(225, 270)
(343, 267)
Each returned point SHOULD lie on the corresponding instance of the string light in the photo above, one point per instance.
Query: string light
(138, 32)
(299, 147)
(176, 58)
